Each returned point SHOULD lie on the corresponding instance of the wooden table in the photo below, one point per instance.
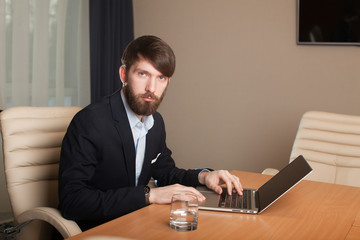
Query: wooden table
(311, 210)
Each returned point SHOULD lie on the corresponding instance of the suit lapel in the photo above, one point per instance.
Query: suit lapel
(123, 127)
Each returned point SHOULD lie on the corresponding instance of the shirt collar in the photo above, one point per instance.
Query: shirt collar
(148, 121)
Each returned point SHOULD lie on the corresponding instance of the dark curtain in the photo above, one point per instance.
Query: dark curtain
(111, 29)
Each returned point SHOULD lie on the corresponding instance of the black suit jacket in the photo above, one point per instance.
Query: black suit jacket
(97, 164)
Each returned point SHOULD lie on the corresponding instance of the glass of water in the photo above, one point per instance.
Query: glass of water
(184, 212)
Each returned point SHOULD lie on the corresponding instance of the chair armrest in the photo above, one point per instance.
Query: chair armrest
(270, 171)
(67, 228)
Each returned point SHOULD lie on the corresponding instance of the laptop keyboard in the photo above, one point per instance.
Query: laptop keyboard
(235, 200)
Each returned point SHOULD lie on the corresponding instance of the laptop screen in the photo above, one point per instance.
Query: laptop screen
(284, 180)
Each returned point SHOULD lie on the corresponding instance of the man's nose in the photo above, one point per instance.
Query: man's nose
(151, 85)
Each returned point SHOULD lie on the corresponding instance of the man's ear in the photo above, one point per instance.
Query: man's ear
(122, 74)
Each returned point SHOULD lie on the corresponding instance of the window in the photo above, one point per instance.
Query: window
(46, 53)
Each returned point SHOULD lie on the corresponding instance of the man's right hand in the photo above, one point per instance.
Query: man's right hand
(162, 195)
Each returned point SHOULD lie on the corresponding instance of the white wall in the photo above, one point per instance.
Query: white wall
(241, 83)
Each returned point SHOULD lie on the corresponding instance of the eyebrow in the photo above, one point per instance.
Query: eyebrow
(138, 69)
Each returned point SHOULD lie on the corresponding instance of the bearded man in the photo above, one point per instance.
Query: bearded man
(112, 148)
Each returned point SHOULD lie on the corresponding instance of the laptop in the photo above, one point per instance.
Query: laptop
(256, 201)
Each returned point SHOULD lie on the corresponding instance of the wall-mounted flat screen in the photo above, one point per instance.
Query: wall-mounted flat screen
(328, 22)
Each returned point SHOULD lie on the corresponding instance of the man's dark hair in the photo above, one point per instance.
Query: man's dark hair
(153, 49)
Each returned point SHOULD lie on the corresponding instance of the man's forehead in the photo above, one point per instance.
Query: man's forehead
(145, 65)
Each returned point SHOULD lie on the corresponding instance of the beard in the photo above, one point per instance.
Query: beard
(138, 105)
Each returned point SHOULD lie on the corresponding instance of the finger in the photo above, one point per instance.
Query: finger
(229, 180)
(200, 196)
(229, 187)
(218, 189)
(238, 186)
(196, 193)
(232, 180)
(237, 183)
(178, 188)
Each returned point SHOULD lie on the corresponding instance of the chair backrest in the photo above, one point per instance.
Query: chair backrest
(331, 144)
(32, 138)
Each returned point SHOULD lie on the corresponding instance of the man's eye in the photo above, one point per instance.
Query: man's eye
(162, 78)
(142, 74)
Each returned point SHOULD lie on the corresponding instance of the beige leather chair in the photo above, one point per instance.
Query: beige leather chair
(32, 138)
(331, 144)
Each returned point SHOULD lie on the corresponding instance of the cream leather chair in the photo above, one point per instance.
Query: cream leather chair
(32, 138)
(330, 142)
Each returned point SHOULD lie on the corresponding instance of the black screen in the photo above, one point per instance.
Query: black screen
(283, 181)
(328, 22)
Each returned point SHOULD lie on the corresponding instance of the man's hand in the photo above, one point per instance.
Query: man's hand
(214, 179)
(162, 195)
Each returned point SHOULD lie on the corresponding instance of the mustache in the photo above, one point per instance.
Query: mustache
(149, 95)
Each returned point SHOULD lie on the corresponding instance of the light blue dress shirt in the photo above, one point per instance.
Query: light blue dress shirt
(139, 130)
